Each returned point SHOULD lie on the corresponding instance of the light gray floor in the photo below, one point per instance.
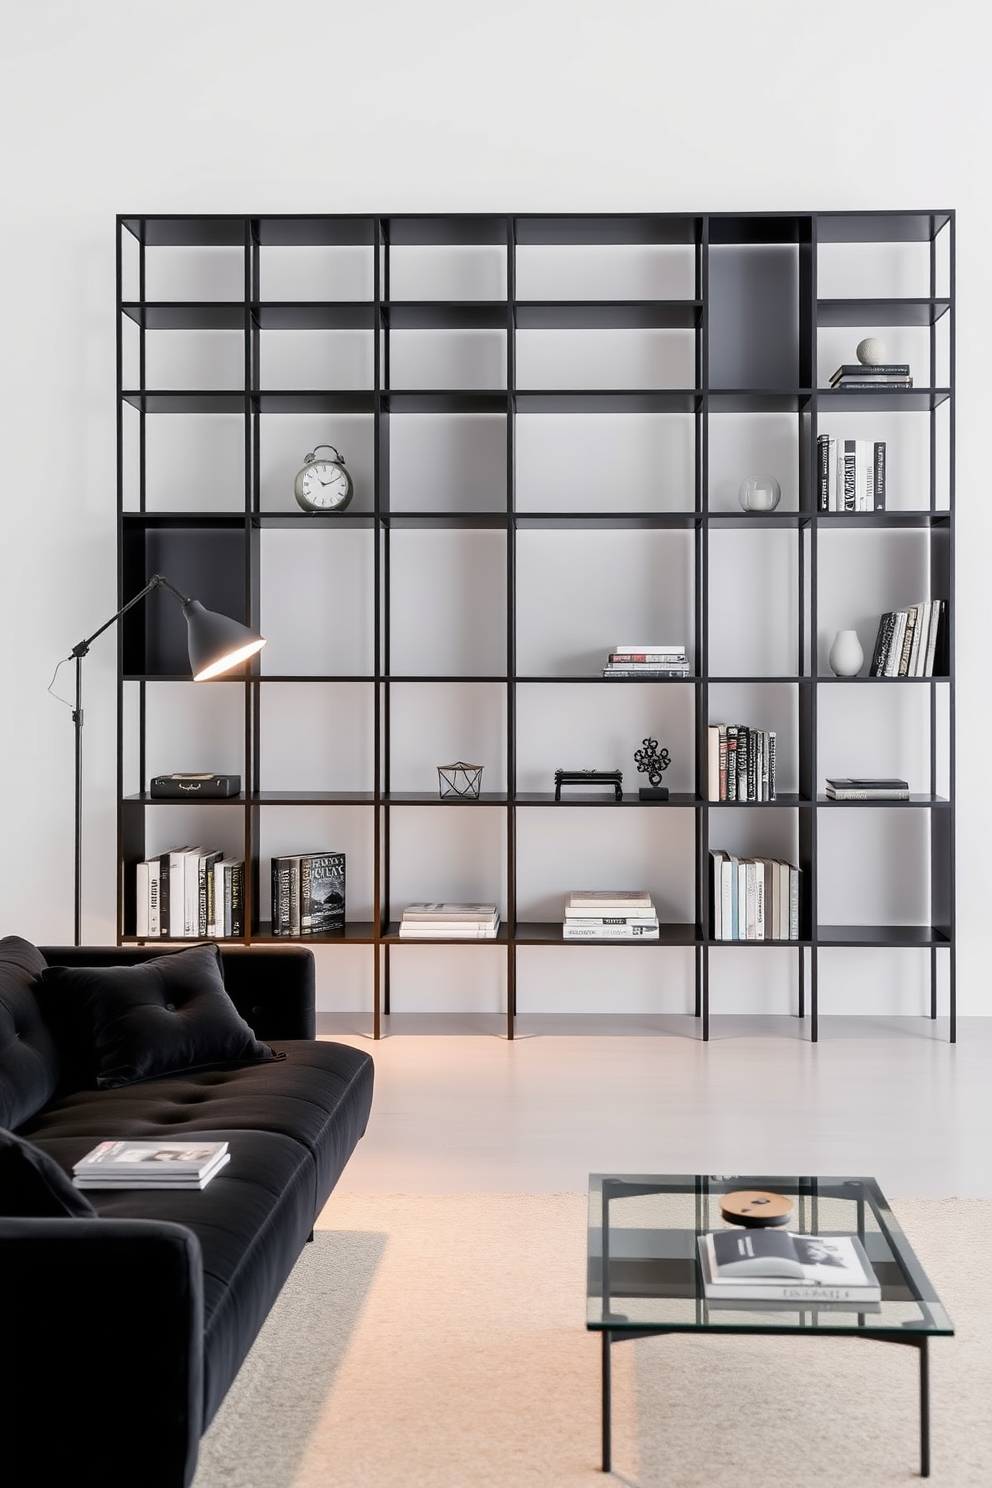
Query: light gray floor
(461, 1110)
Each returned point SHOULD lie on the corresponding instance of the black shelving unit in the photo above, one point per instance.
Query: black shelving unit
(751, 318)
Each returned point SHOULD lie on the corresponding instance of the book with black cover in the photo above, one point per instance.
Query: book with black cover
(322, 893)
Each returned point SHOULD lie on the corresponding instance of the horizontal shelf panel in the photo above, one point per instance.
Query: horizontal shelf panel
(549, 932)
(884, 519)
(360, 400)
(443, 677)
(188, 232)
(882, 935)
(187, 402)
(299, 315)
(315, 798)
(916, 798)
(148, 520)
(359, 677)
(790, 681)
(360, 932)
(730, 520)
(187, 316)
(422, 229)
(553, 315)
(879, 227)
(880, 312)
(432, 798)
(887, 400)
(144, 799)
(348, 519)
(758, 400)
(784, 798)
(313, 231)
(592, 521)
(580, 795)
(595, 679)
(649, 228)
(731, 228)
(581, 400)
(445, 315)
(442, 520)
(757, 944)
(441, 401)
(393, 936)
(880, 681)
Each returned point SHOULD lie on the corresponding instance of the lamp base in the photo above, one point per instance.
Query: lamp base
(653, 793)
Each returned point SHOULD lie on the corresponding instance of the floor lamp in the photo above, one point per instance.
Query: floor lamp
(216, 644)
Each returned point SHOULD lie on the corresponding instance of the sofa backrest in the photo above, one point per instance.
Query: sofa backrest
(29, 1061)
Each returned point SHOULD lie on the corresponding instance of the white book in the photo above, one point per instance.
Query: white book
(653, 649)
(793, 902)
(107, 1181)
(713, 762)
(728, 876)
(865, 492)
(741, 899)
(759, 899)
(774, 908)
(142, 897)
(133, 1164)
(453, 931)
(571, 931)
(222, 902)
(433, 912)
(609, 901)
(832, 475)
(935, 616)
(785, 880)
(643, 917)
(177, 880)
(921, 631)
(770, 1264)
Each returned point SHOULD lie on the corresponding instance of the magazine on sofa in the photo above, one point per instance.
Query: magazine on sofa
(123, 1164)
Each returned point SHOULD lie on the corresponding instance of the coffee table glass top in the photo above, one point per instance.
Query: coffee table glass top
(643, 1271)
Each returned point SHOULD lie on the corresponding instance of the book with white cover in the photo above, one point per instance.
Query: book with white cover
(577, 930)
(608, 901)
(434, 912)
(448, 930)
(754, 1264)
(125, 1164)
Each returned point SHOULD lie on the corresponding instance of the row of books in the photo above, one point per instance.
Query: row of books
(850, 474)
(308, 894)
(880, 374)
(116, 1165)
(449, 921)
(740, 762)
(906, 643)
(610, 914)
(189, 893)
(647, 661)
(754, 898)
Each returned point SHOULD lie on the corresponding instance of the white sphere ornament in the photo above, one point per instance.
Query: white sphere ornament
(759, 493)
(871, 351)
(846, 656)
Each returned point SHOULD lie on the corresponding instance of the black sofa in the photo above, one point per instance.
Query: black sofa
(124, 1325)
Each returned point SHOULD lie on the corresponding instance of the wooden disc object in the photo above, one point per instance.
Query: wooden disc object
(756, 1209)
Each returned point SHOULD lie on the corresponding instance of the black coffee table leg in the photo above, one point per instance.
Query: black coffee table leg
(607, 1338)
(924, 1410)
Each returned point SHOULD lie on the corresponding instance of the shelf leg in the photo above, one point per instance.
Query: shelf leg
(607, 1338)
(706, 992)
(814, 1001)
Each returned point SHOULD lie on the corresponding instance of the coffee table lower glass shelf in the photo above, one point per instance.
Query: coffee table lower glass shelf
(644, 1277)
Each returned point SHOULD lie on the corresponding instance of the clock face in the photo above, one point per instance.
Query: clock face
(324, 486)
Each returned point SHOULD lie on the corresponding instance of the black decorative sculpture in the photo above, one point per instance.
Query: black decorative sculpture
(652, 761)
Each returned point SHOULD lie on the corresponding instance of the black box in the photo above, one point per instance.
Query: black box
(202, 787)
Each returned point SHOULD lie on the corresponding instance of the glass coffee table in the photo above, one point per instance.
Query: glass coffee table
(644, 1277)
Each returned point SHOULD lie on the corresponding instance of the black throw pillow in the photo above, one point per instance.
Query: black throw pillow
(33, 1186)
(171, 1013)
(29, 1061)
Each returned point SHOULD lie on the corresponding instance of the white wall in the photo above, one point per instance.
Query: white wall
(324, 106)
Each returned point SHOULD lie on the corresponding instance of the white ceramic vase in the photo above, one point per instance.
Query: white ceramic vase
(846, 656)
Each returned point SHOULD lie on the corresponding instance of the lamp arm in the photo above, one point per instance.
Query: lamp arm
(157, 581)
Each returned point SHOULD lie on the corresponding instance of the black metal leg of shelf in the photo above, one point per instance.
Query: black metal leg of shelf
(706, 993)
(385, 981)
(933, 982)
(953, 993)
(698, 1009)
(814, 1001)
(607, 1337)
(376, 992)
(511, 989)
(802, 981)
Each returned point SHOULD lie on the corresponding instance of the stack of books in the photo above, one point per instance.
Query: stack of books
(189, 893)
(754, 898)
(654, 660)
(189, 1164)
(881, 375)
(308, 894)
(866, 788)
(741, 763)
(906, 643)
(610, 914)
(850, 474)
(449, 922)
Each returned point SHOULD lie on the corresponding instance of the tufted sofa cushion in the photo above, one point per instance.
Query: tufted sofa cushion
(29, 1061)
(136, 1022)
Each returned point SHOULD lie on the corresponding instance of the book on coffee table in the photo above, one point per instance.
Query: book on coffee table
(150, 1164)
(773, 1265)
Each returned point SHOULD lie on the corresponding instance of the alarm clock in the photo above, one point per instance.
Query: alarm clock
(323, 484)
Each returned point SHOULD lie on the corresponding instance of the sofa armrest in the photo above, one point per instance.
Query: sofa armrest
(272, 987)
(103, 1351)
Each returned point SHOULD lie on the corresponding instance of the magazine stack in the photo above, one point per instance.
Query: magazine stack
(647, 661)
(189, 1164)
(610, 914)
(440, 921)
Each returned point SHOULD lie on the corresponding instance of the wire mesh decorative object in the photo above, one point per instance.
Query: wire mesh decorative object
(460, 780)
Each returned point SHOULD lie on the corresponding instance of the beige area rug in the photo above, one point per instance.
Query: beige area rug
(441, 1341)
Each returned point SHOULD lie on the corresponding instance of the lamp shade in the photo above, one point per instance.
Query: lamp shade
(216, 642)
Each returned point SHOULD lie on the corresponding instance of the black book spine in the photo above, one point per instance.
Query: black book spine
(753, 767)
(823, 472)
(163, 894)
(880, 475)
(886, 628)
(237, 899)
(771, 765)
(732, 732)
